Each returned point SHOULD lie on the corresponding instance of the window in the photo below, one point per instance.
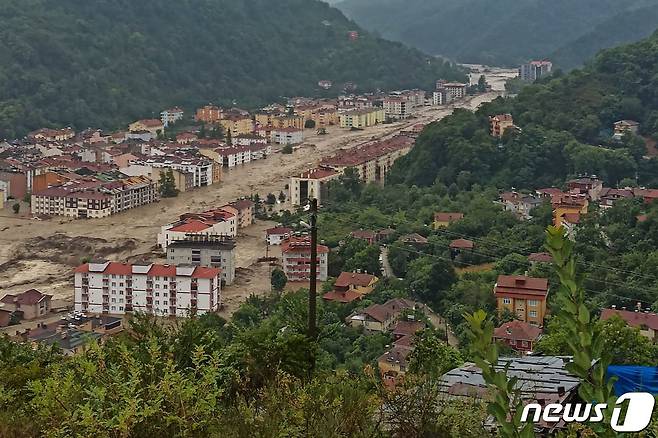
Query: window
(524, 343)
(507, 301)
(157, 303)
(533, 313)
(114, 284)
(157, 294)
(114, 300)
(533, 303)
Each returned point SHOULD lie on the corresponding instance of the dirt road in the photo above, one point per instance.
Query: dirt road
(41, 254)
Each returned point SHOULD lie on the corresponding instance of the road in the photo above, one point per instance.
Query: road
(41, 254)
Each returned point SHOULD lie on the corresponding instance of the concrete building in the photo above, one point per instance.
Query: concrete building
(499, 124)
(519, 335)
(534, 70)
(380, 317)
(163, 290)
(361, 118)
(287, 136)
(439, 97)
(453, 91)
(646, 321)
(311, 184)
(277, 235)
(31, 304)
(153, 126)
(216, 222)
(523, 296)
(624, 127)
(208, 114)
(170, 116)
(296, 254)
(205, 250)
(397, 107)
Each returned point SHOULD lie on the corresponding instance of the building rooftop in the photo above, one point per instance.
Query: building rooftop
(518, 330)
(634, 319)
(521, 285)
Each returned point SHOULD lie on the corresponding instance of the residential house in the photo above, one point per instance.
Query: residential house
(216, 222)
(166, 290)
(405, 328)
(458, 245)
(296, 254)
(500, 123)
(520, 204)
(171, 116)
(380, 317)
(624, 127)
(609, 196)
(246, 211)
(369, 236)
(519, 335)
(453, 90)
(523, 296)
(186, 138)
(31, 304)
(70, 341)
(592, 187)
(393, 365)
(646, 321)
(153, 126)
(350, 286)
(205, 250)
(276, 235)
(443, 219)
(237, 124)
(313, 183)
(540, 257)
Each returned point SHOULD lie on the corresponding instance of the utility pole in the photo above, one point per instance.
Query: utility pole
(312, 290)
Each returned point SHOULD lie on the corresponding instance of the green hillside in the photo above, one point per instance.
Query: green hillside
(103, 63)
(567, 127)
(504, 32)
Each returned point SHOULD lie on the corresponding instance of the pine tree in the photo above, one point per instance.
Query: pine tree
(168, 184)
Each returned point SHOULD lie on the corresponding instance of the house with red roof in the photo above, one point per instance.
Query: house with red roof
(443, 219)
(105, 287)
(31, 304)
(351, 286)
(647, 321)
(380, 317)
(519, 335)
(218, 222)
(152, 126)
(523, 296)
(296, 254)
(276, 235)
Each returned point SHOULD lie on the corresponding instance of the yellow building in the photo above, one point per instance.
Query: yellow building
(280, 120)
(361, 118)
(442, 220)
(523, 296)
(237, 125)
(568, 205)
(322, 115)
(351, 286)
(154, 126)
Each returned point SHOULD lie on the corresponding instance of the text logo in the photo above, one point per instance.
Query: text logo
(638, 412)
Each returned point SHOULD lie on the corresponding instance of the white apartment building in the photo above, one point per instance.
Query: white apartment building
(311, 184)
(162, 290)
(439, 97)
(296, 253)
(287, 136)
(171, 116)
(397, 107)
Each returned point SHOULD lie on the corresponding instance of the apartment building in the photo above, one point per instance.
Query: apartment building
(170, 116)
(534, 70)
(208, 114)
(277, 120)
(246, 211)
(205, 250)
(499, 123)
(296, 254)
(372, 161)
(237, 124)
(287, 135)
(523, 296)
(311, 184)
(361, 118)
(203, 171)
(82, 201)
(105, 287)
(212, 222)
(623, 127)
(397, 107)
(153, 126)
(453, 91)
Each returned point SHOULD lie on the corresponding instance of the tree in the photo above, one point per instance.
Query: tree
(168, 184)
(432, 357)
(282, 197)
(229, 137)
(287, 149)
(16, 207)
(309, 124)
(482, 84)
(278, 279)
(271, 199)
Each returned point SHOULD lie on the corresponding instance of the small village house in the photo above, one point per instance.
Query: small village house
(442, 219)
(519, 335)
(30, 304)
(277, 235)
(351, 286)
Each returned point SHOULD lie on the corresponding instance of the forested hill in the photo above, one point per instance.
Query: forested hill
(566, 124)
(504, 32)
(102, 63)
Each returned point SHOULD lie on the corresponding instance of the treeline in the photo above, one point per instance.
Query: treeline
(106, 63)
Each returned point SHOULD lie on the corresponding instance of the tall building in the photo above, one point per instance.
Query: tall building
(523, 296)
(534, 70)
(163, 290)
(205, 250)
(311, 184)
(296, 253)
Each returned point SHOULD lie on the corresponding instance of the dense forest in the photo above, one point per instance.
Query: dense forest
(507, 32)
(105, 63)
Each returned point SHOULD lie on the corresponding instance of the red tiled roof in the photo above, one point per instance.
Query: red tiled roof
(462, 244)
(342, 297)
(154, 271)
(318, 173)
(572, 218)
(521, 285)
(191, 226)
(162, 271)
(301, 244)
(201, 272)
(634, 319)
(518, 330)
(29, 297)
(406, 328)
(278, 231)
(346, 279)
